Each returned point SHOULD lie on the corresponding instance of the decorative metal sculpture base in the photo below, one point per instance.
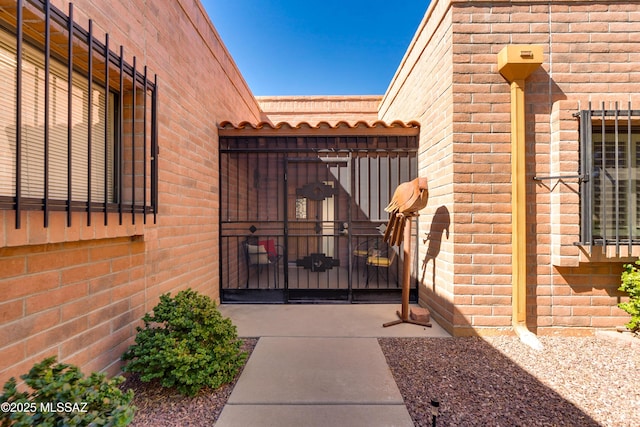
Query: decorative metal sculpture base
(401, 320)
(406, 278)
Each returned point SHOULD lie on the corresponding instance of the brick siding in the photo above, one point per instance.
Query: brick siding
(433, 109)
(314, 109)
(590, 54)
(78, 292)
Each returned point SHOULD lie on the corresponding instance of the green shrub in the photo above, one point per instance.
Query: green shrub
(187, 344)
(62, 396)
(631, 285)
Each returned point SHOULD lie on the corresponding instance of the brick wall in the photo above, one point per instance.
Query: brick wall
(78, 300)
(314, 109)
(78, 292)
(422, 90)
(590, 54)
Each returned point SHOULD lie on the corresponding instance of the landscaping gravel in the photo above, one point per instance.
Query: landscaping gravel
(163, 407)
(498, 381)
(491, 381)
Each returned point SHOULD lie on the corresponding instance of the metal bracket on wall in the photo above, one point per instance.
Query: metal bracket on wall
(579, 177)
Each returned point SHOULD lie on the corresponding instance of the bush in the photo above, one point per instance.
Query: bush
(631, 285)
(62, 396)
(187, 344)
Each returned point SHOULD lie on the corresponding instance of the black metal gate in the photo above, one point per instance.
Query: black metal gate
(317, 228)
(302, 218)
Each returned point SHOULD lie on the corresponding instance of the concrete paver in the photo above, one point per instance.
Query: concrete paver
(316, 370)
(315, 416)
(318, 365)
(323, 320)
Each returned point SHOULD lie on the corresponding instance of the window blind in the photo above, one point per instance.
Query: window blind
(32, 165)
(615, 204)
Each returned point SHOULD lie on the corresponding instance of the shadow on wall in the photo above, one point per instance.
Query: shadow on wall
(541, 93)
(439, 225)
(595, 279)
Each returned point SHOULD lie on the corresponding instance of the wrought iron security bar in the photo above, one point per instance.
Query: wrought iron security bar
(128, 135)
(302, 217)
(610, 184)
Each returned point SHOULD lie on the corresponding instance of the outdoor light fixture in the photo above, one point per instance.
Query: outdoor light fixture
(434, 411)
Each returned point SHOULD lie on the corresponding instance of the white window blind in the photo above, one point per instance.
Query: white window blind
(7, 117)
(33, 110)
(615, 205)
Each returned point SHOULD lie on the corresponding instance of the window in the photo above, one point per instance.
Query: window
(78, 125)
(610, 189)
(32, 148)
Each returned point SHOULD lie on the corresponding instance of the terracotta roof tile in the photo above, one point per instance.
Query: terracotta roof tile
(378, 127)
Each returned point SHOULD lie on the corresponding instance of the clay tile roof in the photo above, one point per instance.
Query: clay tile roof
(397, 127)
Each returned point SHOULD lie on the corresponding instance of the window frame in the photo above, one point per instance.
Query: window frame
(620, 131)
(79, 84)
(117, 77)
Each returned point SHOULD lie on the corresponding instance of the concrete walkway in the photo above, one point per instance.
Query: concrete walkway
(317, 365)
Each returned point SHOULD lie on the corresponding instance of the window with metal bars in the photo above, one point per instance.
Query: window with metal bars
(32, 155)
(78, 125)
(610, 185)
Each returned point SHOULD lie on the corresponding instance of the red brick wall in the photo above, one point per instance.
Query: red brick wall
(78, 300)
(78, 292)
(590, 54)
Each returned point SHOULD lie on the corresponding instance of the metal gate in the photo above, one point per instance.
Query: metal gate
(302, 218)
(317, 228)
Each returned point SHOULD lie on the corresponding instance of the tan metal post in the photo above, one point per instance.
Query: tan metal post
(516, 63)
(404, 314)
(406, 270)
(518, 203)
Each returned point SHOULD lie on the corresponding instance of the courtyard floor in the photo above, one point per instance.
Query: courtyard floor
(490, 381)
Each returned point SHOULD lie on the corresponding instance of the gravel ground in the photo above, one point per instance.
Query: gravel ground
(162, 407)
(491, 381)
(498, 381)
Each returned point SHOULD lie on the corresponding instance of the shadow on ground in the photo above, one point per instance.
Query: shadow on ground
(476, 384)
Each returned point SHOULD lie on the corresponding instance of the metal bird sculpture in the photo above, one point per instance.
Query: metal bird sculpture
(408, 199)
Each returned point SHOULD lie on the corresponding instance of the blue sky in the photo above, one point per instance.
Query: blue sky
(313, 47)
